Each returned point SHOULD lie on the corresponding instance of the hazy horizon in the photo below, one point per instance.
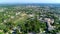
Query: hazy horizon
(28, 1)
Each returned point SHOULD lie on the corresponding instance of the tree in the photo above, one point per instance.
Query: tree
(31, 26)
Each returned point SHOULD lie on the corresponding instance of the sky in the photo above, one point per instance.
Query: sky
(29, 1)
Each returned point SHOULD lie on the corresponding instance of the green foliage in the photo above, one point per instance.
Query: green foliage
(31, 26)
(1, 32)
(2, 26)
